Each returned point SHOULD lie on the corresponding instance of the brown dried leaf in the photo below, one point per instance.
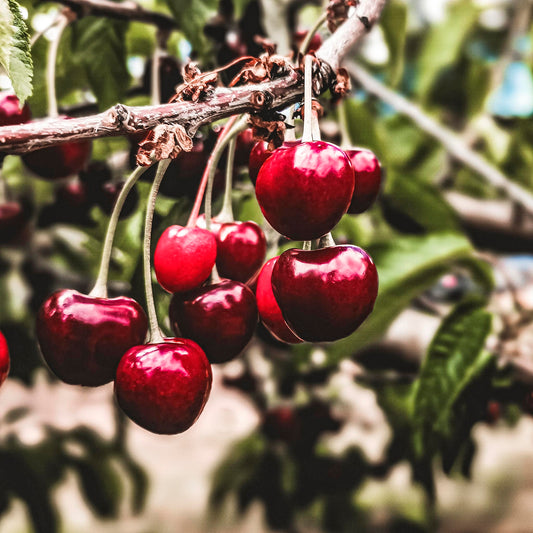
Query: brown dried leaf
(343, 84)
(164, 142)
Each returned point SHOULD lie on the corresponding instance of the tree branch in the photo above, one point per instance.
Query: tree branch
(452, 142)
(120, 10)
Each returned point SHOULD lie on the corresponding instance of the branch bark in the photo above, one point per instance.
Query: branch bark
(452, 142)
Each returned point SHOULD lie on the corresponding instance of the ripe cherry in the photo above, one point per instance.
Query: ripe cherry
(241, 249)
(82, 338)
(4, 359)
(315, 43)
(220, 317)
(164, 387)
(268, 308)
(59, 161)
(184, 258)
(325, 294)
(258, 155)
(303, 190)
(367, 179)
(13, 221)
(243, 147)
(10, 111)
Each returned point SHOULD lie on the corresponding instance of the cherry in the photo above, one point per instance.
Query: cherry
(367, 179)
(268, 308)
(59, 161)
(314, 45)
(259, 154)
(281, 423)
(109, 193)
(241, 249)
(10, 111)
(303, 190)
(184, 258)
(220, 317)
(164, 387)
(82, 338)
(325, 294)
(4, 359)
(243, 147)
(12, 221)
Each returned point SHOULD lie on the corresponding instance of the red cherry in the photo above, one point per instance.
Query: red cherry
(303, 190)
(82, 338)
(245, 143)
(221, 318)
(12, 222)
(314, 45)
(164, 387)
(367, 179)
(59, 161)
(268, 308)
(4, 359)
(184, 258)
(325, 294)
(241, 249)
(258, 155)
(10, 111)
(215, 224)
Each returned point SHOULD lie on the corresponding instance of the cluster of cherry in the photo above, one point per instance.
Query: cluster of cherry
(314, 295)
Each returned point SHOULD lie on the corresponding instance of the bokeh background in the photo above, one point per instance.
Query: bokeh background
(421, 420)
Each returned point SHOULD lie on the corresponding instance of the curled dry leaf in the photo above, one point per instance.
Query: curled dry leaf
(263, 68)
(163, 142)
(343, 84)
(337, 12)
(270, 129)
(196, 85)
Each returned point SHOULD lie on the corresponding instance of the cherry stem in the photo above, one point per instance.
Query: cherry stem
(62, 23)
(239, 126)
(310, 34)
(326, 240)
(290, 133)
(226, 213)
(155, 89)
(100, 287)
(37, 35)
(307, 134)
(346, 141)
(307, 245)
(200, 194)
(155, 333)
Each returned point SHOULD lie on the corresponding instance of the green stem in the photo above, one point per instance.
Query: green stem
(155, 333)
(346, 141)
(228, 134)
(310, 34)
(100, 287)
(226, 213)
(51, 67)
(307, 134)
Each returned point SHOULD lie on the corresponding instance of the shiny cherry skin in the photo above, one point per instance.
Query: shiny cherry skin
(10, 111)
(259, 154)
(164, 387)
(367, 172)
(304, 190)
(241, 250)
(268, 307)
(325, 294)
(4, 359)
(82, 338)
(184, 258)
(220, 317)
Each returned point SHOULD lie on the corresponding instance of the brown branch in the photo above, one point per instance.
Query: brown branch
(120, 10)
(123, 120)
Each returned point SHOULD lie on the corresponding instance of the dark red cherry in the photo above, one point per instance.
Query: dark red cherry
(221, 318)
(108, 196)
(325, 294)
(303, 190)
(82, 338)
(268, 308)
(281, 423)
(59, 161)
(258, 155)
(13, 220)
(10, 111)
(245, 143)
(4, 359)
(241, 249)
(367, 172)
(184, 258)
(164, 387)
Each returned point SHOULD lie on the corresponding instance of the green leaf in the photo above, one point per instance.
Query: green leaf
(361, 125)
(100, 46)
(192, 16)
(455, 358)
(394, 25)
(15, 52)
(444, 43)
(406, 267)
(421, 201)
